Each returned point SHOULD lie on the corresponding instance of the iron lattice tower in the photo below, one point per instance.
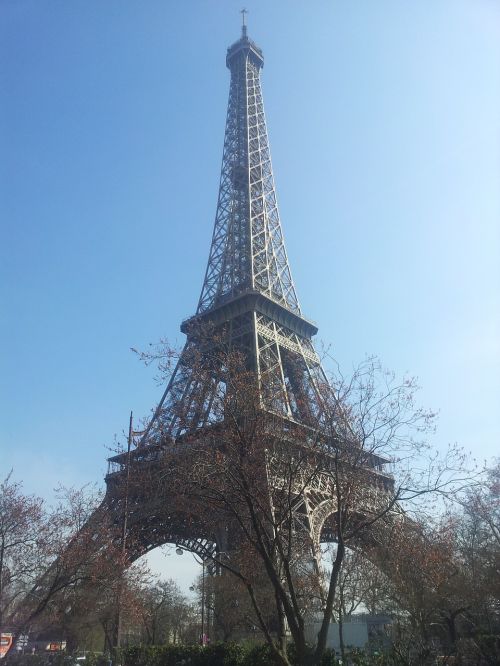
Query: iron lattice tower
(248, 293)
(249, 297)
(248, 286)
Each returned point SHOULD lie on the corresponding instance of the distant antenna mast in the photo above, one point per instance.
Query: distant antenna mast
(243, 24)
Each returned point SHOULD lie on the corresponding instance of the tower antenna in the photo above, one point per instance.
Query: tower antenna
(243, 24)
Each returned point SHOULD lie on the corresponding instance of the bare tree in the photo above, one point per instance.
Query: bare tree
(23, 537)
(371, 420)
(476, 538)
(167, 614)
(252, 472)
(50, 555)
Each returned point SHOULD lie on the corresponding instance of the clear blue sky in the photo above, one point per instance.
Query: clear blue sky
(384, 122)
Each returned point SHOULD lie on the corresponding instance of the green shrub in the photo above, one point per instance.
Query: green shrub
(95, 659)
(222, 654)
(16, 659)
(38, 659)
(260, 655)
(329, 658)
(217, 654)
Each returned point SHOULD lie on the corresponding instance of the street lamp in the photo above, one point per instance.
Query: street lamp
(202, 562)
(211, 570)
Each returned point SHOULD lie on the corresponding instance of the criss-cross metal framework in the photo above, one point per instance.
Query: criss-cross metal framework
(248, 250)
(248, 295)
(249, 304)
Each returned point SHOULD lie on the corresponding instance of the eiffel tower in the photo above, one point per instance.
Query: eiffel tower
(248, 283)
(249, 296)
(248, 292)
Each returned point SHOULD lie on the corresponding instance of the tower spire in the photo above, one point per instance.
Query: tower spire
(243, 22)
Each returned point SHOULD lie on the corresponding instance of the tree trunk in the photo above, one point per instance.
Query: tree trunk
(323, 632)
(108, 638)
(281, 624)
(341, 635)
(452, 630)
(341, 621)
